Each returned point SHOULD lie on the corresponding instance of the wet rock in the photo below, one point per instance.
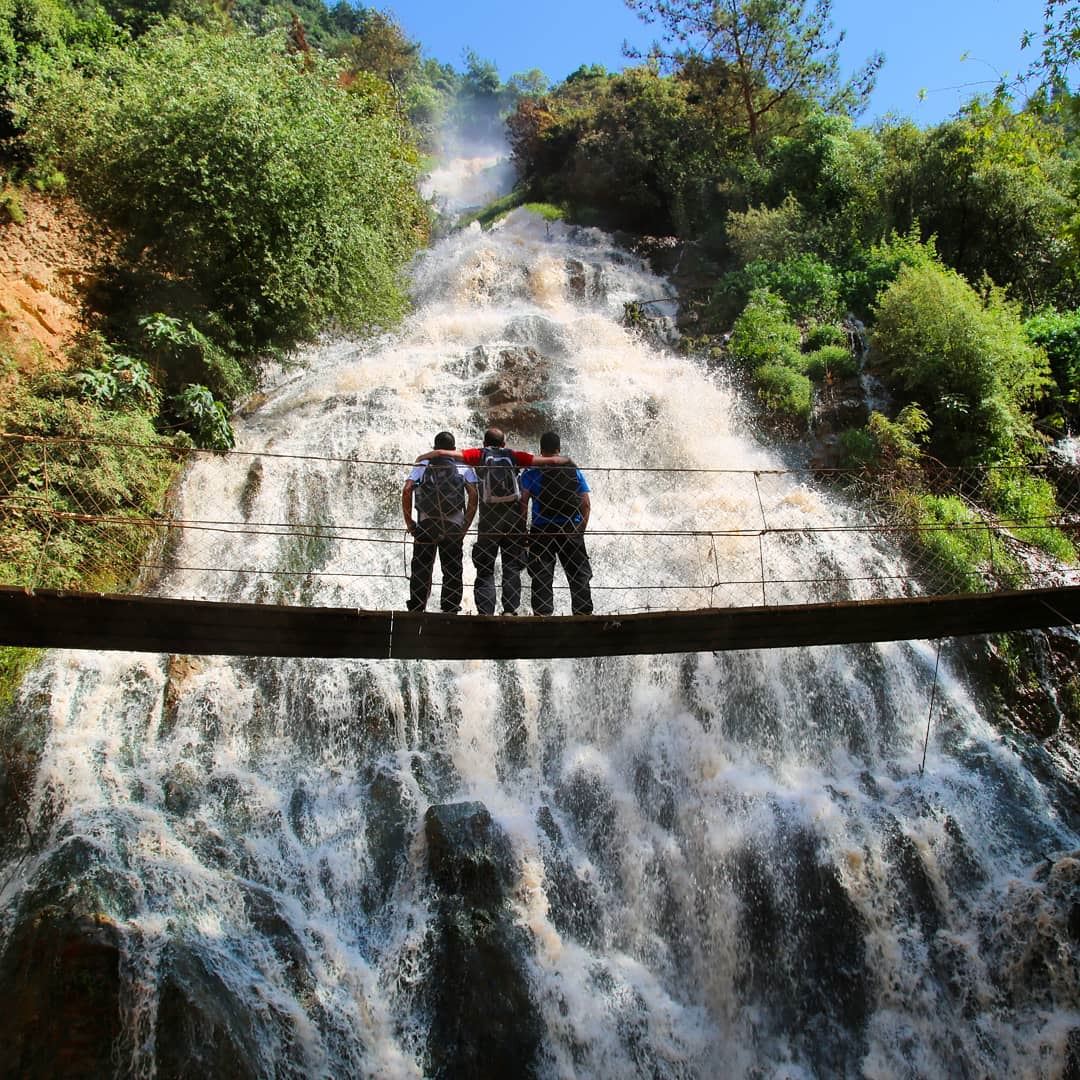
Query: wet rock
(538, 333)
(469, 856)
(911, 883)
(202, 1028)
(180, 788)
(264, 912)
(252, 486)
(573, 902)
(589, 803)
(515, 396)
(514, 739)
(60, 992)
(389, 829)
(655, 798)
(805, 957)
(484, 1021)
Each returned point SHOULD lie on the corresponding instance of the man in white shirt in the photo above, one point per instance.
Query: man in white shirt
(445, 495)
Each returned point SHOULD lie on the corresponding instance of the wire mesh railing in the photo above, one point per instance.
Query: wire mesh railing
(328, 530)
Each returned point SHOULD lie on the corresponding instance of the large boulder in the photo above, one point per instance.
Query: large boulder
(484, 1024)
(515, 393)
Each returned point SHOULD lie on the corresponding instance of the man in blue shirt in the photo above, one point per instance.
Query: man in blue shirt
(560, 515)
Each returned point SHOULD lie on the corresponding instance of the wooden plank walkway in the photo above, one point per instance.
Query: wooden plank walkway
(98, 621)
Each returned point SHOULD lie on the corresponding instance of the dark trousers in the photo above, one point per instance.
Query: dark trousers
(546, 544)
(436, 538)
(501, 529)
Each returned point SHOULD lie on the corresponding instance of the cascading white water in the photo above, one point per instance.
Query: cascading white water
(725, 864)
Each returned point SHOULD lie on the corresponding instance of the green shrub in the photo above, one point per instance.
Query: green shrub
(185, 355)
(828, 333)
(1058, 333)
(121, 380)
(109, 466)
(765, 233)
(785, 393)
(857, 448)
(940, 341)
(873, 270)
(832, 361)
(1029, 500)
(205, 418)
(11, 208)
(763, 332)
(808, 286)
(900, 442)
(252, 184)
(953, 550)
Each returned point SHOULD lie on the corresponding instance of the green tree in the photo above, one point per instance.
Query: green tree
(261, 199)
(966, 357)
(771, 50)
(1058, 42)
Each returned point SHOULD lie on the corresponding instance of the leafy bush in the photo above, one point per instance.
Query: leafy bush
(1058, 333)
(185, 354)
(784, 392)
(252, 184)
(121, 380)
(763, 333)
(1019, 496)
(832, 361)
(11, 208)
(110, 465)
(206, 418)
(940, 341)
(764, 233)
(900, 442)
(950, 534)
(875, 269)
(809, 287)
(857, 448)
(821, 334)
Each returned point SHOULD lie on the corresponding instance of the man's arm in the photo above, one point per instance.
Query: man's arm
(470, 509)
(551, 459)
(586, 508)
(406, 507)
(454, 455)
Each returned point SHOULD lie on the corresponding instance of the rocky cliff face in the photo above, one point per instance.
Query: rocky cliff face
(48, 264)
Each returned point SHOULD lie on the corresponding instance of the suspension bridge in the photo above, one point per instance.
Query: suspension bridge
(311, 557)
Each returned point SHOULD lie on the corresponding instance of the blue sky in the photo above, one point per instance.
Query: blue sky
(923, 41)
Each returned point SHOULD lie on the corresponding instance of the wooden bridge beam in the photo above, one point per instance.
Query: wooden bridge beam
(97, 621)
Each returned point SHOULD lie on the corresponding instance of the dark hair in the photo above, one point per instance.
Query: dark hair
(444, 441)
(494, 437)
(549, 443)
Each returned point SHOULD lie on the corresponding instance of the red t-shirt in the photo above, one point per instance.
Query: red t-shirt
(475, 456)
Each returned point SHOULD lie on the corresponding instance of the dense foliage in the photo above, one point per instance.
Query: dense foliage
(258, 195)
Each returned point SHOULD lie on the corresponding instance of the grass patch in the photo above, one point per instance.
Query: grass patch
(959, 556)
(1020, 497)
(15, 662)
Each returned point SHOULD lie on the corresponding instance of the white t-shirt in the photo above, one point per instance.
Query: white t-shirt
(468, 474)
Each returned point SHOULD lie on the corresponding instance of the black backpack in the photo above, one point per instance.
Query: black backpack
(498, 476)
(441, 490)
(559, 494)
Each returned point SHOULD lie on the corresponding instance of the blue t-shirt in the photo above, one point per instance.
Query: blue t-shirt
(532, 480)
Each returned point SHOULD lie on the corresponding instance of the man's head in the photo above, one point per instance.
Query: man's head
(549, 443)
(494, 437)
(444, 441)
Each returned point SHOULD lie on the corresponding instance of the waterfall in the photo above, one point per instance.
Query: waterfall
(697, 866)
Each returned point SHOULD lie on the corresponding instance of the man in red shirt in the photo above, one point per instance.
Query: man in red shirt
(502, 526)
